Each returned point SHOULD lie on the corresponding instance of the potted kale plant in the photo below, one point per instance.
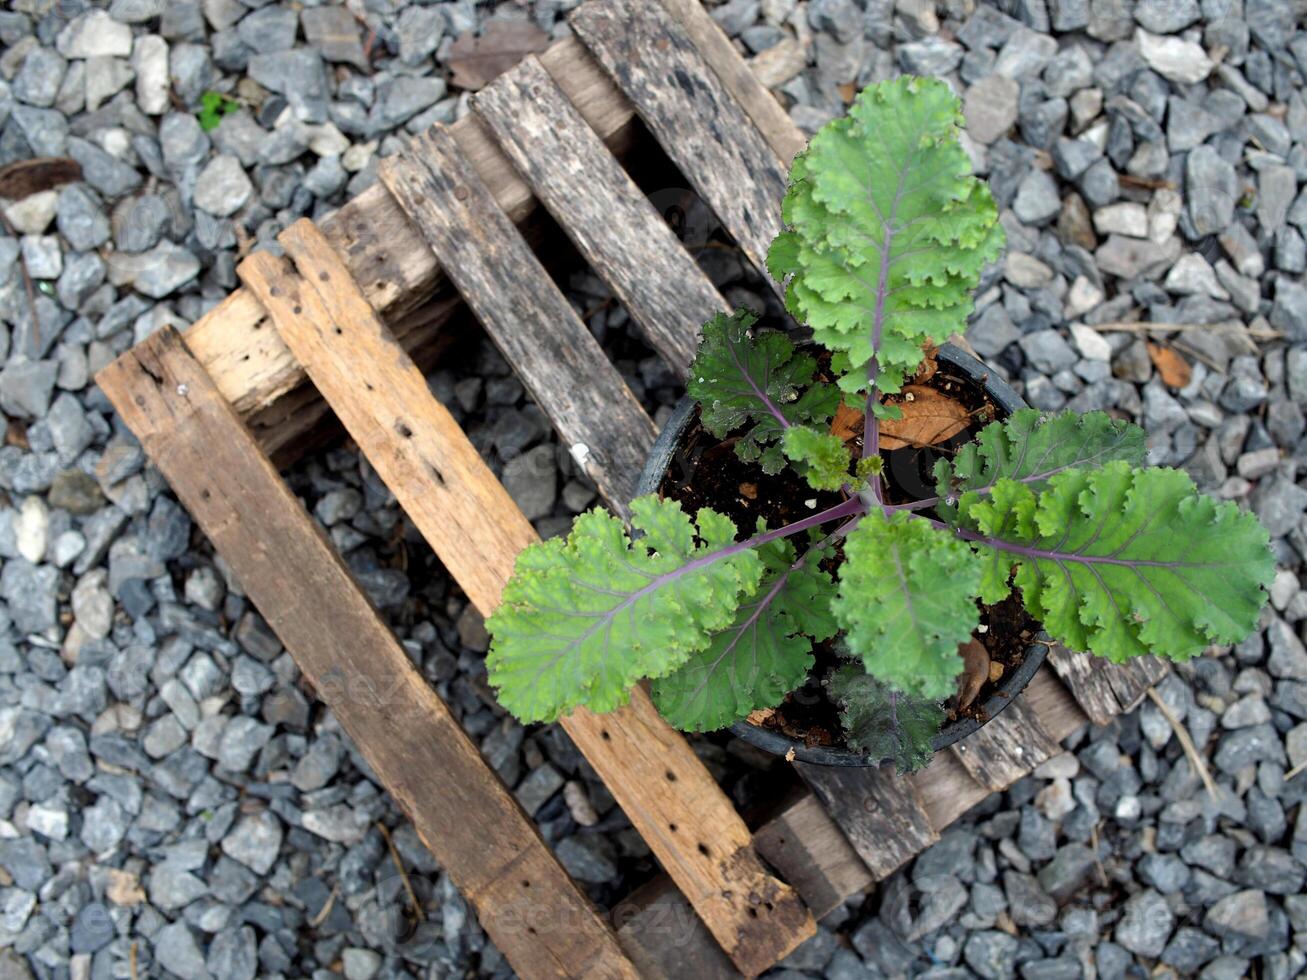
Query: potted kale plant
(865, 533)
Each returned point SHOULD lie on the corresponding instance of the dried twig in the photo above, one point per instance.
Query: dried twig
(1300, 767)
(403, 875)
(131, 961)
(1098, 862)
(327, 906)
(1149, 183)
(29, 288)
(1195, 758)
(1139, 326)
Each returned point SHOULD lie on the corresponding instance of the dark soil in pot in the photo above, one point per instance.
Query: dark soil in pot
(689, 464)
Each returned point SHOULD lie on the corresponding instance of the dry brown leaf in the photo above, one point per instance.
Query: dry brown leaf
(929, 365)
(476, 61)
(847, 423)
(1176, 372)
(975, 671)
(929, 418)
(26, 177)
(124, 888)
(848, 92)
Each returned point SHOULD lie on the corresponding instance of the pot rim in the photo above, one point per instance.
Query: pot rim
(1008, 401)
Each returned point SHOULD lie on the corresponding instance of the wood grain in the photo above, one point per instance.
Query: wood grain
(738, 78)
(383, 400)
(603, 212)
(1131, 680)
(1089, 681)
(530, 320)
(439, 480)
(526, 902)
(693, 829)
(695, 118)
(804, 844)
(1006, 748)
(878, 810)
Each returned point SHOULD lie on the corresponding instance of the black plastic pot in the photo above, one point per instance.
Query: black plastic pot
(1007, 401)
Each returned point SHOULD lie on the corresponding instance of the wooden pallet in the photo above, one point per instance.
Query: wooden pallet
(353, 308)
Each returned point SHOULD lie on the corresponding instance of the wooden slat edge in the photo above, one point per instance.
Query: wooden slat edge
(431, 768)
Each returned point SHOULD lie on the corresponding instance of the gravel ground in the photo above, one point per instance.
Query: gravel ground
(168, 794)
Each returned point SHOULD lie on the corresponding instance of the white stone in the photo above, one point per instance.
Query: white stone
(326, 140)
(357, 156)
(779, 63)
(105, 77)
(1082, 297)
(44, 258)
(990, 107)
(1025, 271)
(68, 546)
(1085, 107)
(48, 821)
(222, 187)
(150, 59)
(95, 33)
(93, 605)
(1055, 800)
(1064, 765)
(1283, 588)
(1126, 218)
(1164, 214)
(1174, 58)
(32, 532)
(1091, 344)
(33, 214)
(1192, 276)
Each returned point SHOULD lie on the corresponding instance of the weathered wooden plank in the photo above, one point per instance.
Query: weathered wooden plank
(1131, 680)
(388, 257)
(804, 844)
(1006, 748)
(696, 119)
(668, 794)
(406, 733)
(601, 209)
(694, 831)
(738, 78)
(525, 313)
(383, 400)
(1089, 680)
(878, 810)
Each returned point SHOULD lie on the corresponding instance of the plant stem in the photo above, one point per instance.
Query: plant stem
(871, 424)
(848, 508)
(761, 395)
